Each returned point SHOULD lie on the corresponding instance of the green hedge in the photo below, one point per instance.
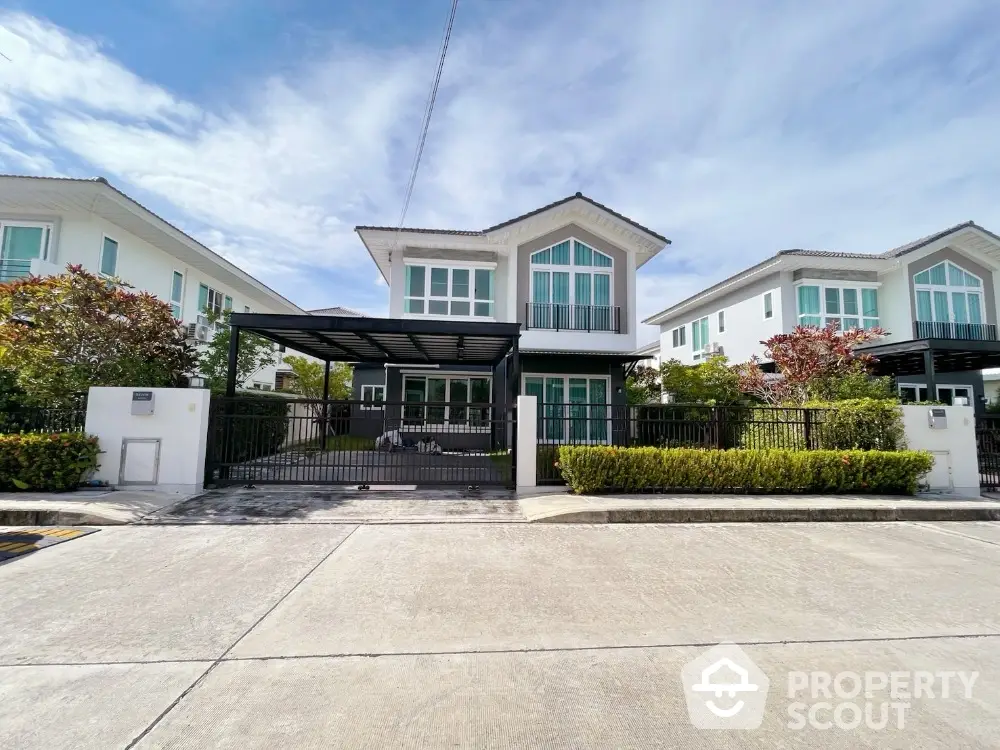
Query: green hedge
(601, 468)
(248, 426)
(54, 462)
(866, 424)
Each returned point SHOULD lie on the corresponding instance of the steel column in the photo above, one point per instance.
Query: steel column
(234, 352)
(930, 375)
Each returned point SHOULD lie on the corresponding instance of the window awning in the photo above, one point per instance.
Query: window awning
(385, 340)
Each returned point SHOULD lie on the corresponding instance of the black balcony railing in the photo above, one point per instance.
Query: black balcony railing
(11, 269)
(923, 329)
(553, 316)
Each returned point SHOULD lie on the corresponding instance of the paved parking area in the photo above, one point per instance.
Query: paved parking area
(484, 635)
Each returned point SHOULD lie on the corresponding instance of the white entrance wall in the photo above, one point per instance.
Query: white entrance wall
(527, 442)
(956, 464)
(179, 420)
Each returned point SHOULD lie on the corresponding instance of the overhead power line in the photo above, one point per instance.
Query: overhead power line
(426, 122)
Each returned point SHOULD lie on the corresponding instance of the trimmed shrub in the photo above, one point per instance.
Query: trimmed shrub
(866, 424)
(54, 462)
(248, 426)
(603, 468)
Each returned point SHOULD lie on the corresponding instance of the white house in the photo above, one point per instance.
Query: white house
(566, 272)
(937, 297)
(47, 223)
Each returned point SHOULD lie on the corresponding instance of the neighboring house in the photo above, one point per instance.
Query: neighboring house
(650, 354)
(937, 294)
(47, 223)
(566, 272)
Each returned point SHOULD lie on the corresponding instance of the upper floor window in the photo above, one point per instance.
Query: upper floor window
(722, 321)
(213, 301)
(571, 288)
(946, 293)
(848, 307)
(768, 306)
(177, 294)
(456, 292)
(678, 336)
(699, 337)
(109, 257)
(20, 243)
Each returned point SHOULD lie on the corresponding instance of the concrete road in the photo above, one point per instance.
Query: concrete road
(480, 635)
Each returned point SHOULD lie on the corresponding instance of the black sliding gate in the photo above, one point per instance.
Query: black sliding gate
(273, 440)
(988, 449)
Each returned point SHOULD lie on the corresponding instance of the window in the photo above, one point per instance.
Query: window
(722, 321)
(946, 293)
(699, 337)
(373, 396)
(213, 301)
(109, 257)
(678, 336)
(571, 287)
(177, 294)
(571, 408)
(912, 392)
(20, 243)
(446, 399)
(768, 309)
(848, 307)
(454, 292)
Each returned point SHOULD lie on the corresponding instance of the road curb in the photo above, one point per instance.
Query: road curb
(29, 517)
(772, 515)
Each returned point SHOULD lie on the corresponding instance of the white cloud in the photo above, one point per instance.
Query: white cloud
(736, 129)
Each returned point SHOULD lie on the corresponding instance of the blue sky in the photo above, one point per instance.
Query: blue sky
(270, 128)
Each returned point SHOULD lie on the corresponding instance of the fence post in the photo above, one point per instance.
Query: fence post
(720, 424)
(807, 428)
(527, 442)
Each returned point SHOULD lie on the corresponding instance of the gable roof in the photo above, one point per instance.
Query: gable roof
(775, 260)
(344, 312)
(522, 217)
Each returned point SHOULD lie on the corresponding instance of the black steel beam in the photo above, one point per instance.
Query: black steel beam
(340, 347)
(418, 346)
(234, 354)
(368, 339)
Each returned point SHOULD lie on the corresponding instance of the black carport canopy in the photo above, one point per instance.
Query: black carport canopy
(931, 356)
(387, 340)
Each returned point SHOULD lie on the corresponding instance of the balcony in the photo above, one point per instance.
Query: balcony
(550, 316)
(11, 269)
(962, 331)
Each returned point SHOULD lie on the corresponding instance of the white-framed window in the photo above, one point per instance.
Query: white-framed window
(678, 336)
(442, 399)
(572, 287)
(109, 257)
(912, 392)
(947, 293)
(373, 396)
(20, 243)
(852, 306)
(768, 306)
(450, 291)
(177, 294)
(213, 301)
(699, 337)
(722, 321)
(571, 408)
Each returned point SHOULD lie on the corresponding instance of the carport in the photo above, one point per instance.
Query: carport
(323, 441)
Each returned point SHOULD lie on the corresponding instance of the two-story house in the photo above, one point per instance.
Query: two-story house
(48, 223)
(937, 297)
(565, 272)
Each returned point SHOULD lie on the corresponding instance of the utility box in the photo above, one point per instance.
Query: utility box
(140, 461)
(937, 419)
(142, 403)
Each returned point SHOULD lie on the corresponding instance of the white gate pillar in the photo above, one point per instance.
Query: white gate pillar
(527, 442)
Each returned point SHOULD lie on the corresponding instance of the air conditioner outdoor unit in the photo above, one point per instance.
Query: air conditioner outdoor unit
(191, 330)
(714, 348)
(202, 333)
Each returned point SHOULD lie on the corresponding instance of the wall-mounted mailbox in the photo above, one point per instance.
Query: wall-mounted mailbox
(142, 403)
(937, 419)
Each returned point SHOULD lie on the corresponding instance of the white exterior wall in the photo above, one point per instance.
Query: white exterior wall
(745, 326)
(894, 306)
(78, 239)
(956, 462)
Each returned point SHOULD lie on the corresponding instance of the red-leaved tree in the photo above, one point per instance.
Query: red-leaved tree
(809, 361)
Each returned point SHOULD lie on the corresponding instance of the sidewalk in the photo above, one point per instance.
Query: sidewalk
(567, 508)
(85, 507)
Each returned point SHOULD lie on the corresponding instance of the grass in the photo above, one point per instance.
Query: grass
(338, 443)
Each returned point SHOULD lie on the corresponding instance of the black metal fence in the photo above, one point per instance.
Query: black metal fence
(923, 329)
(988, 450)
(44, 419)
(688, 426)
(308, 441)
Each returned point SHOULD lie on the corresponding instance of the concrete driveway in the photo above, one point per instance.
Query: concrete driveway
(484, 635)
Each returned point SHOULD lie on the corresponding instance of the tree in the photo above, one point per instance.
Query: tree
(309, 378)
(811, 362)
(714, 381)
(254, 354)
(59, 335)
(643, 386)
